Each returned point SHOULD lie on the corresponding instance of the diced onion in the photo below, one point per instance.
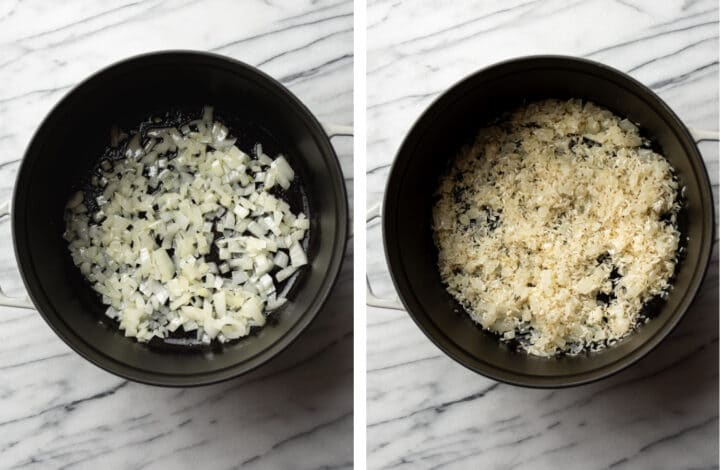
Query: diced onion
(297, 255)
(281, 259)
(185, 193)
(285, 273)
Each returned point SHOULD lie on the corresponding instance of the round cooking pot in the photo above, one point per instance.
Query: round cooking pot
(70, 142)
(452, 121)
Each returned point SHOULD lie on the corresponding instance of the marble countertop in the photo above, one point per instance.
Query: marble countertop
(59, 411)
(426, 411)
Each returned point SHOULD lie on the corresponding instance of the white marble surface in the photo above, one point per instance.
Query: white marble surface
(426, 411)
(59, 411)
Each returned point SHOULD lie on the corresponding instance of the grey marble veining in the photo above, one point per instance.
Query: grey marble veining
(59, 411)
(426, 411)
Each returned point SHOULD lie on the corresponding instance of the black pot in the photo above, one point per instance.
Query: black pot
(69, 143)
(451, 121)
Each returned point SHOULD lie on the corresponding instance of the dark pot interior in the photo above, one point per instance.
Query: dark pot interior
(452, 121)
(70, 142)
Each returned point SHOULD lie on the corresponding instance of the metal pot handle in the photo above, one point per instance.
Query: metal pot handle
(373, 300)
(703, 134)
(338, 130)
(334, 130)
(6, 301)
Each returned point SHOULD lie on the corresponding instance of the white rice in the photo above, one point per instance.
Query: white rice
(557, 226)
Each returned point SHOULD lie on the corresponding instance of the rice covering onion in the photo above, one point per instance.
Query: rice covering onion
(146, 236)
(557, 226)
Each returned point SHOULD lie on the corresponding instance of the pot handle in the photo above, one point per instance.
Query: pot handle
(373, 300)
(338, 130)
(334, 130)
(703, 134)
(6, 301)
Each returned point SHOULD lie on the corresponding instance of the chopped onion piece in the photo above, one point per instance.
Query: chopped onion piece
(285, 273)
(265, 284)
(134, 149)
(281, 259)
(256, 229)
(275, 304)
(297, 255)
(162, 209)
(75, 200)
(239, 277)
(219, 303)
